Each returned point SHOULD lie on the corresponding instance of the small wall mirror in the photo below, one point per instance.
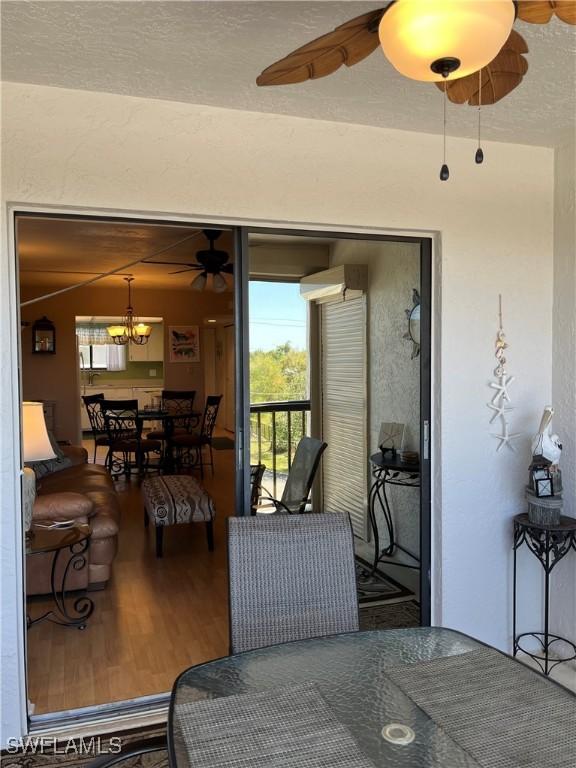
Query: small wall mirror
(413, 315)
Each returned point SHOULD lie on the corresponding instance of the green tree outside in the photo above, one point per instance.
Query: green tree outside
(277, 375)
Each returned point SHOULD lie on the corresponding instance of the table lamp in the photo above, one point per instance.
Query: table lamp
(36, 446)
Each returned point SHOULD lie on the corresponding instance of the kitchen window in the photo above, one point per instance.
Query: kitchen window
(94, 351)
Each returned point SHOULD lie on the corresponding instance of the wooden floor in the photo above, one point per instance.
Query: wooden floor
(155, 618)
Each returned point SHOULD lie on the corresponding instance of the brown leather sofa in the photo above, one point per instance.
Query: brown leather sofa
(84, 493)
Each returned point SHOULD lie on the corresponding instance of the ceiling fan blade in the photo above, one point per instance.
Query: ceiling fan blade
(180, 271)
(168, 263)
(498, 79)
(566, 11)
(541, 12)
(347, 44)
(228, 268)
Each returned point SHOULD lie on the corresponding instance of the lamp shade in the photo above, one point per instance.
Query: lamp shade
(432, 40)
(142, 329)
(36, 443)
(116, 330)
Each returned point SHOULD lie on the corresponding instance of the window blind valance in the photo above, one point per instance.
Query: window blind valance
(91, 334)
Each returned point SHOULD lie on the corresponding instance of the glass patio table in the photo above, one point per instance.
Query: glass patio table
(360, 677)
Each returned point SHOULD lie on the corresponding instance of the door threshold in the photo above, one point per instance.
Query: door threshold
(143, 712)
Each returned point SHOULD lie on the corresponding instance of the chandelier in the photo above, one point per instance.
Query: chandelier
(130, 330)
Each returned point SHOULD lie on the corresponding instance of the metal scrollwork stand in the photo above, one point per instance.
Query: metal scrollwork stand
(389, 471)
(549, 544)
(68, 613)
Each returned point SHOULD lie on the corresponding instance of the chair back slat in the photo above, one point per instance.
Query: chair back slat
(93, 403)
(180, 405)
(121, 419)
(210, 415)
(291, 577)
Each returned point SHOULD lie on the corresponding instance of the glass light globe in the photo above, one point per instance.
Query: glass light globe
(432, 40)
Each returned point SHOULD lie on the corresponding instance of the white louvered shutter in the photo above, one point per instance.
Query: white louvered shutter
(344, 410)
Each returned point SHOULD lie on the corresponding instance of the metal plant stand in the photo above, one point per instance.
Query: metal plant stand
(76, 541)
(389, 471)
(549, 544)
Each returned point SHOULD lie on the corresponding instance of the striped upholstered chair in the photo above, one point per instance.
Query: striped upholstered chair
(291, 577)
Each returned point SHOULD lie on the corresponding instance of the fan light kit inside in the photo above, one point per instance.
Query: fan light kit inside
(431, 40)
(211, 264)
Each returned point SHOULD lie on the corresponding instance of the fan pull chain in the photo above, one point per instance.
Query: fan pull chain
(445, 171)
(479, 157)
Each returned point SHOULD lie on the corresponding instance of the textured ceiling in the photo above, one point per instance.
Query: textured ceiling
(211, 52)
(61, 252)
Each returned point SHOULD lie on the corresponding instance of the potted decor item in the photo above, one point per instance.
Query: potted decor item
(544, 491)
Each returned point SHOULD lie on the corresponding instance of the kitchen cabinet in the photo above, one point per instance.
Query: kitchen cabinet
(138, 353)
(84, 420)
(153, 351)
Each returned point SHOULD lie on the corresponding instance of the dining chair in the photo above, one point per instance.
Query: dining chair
(299, 481)
(256, 476)
(124, 431)
(92, 404)
(291, 577)
(180, 405)
(190, 448)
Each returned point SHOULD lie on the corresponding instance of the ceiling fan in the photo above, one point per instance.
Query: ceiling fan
(466, 47)
(208, 262)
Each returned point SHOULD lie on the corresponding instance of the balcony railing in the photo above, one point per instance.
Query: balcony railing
(275, 431)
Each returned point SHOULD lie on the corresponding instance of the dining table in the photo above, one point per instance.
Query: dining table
(424, 697)
(168, 421)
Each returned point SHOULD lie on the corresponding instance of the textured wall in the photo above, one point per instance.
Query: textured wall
(564, 368)
(55, 377)
(394, 378)
(85, 149)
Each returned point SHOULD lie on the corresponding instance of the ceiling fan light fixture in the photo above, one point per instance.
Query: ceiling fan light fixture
(433, 40)
(199, 282)
(219, 284)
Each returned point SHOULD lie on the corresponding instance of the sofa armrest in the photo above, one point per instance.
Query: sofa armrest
(61, 506)
(75, 453)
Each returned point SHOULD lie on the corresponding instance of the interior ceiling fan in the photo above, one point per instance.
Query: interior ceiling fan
(208, 262)
(467, 47)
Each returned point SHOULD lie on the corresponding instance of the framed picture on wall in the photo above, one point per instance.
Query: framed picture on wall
(184, 341)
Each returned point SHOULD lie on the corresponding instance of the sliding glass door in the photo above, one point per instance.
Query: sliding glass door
(368, 303)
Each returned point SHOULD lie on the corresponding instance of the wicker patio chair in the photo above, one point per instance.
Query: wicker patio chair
(291, 577)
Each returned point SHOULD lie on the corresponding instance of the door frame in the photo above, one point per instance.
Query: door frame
(242, 227)
(425, 243)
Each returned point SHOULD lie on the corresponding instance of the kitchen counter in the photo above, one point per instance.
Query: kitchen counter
(143, 390)
(122, 383)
